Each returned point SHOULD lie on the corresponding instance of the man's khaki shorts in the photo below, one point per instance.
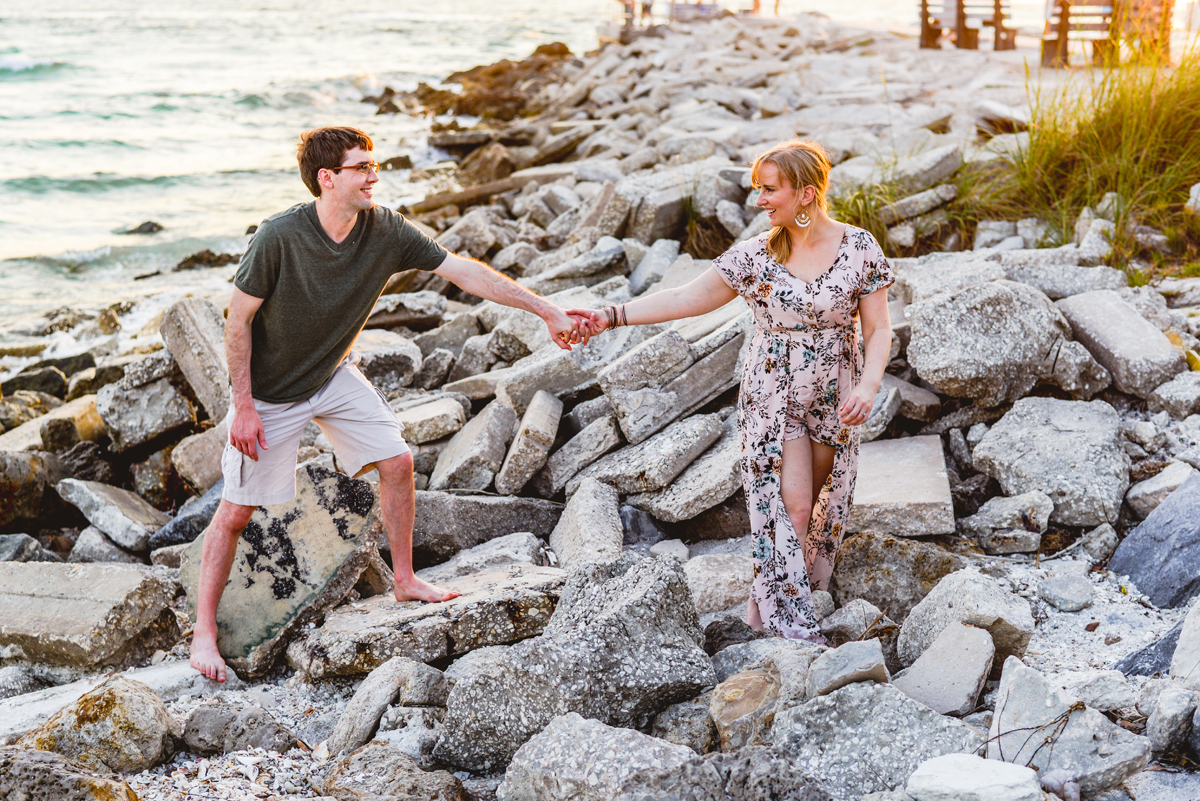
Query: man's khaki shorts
(354, 416)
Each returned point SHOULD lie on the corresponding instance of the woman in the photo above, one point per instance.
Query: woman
(806, 384)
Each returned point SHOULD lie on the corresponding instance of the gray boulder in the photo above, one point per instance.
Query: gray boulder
(1162, 555)
(119, 513)
(893, 573)
(867, 737)
(399, 680)
(1070, 450)
(31, 773)
(389, 361)
(221, 725)
(1037, 726)
(688, 723)
(623, 644)
(1170, 722)
(752, 773)
(987, 341)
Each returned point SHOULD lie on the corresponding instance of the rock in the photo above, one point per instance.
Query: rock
(23, 548)
(1067, 592)
(989, 233)
(119, 513)
(915, 403)
(724, 632)
(659, 215)
(432, 421)
(1137, 355)
(497, 606)
(986, 341)
(743, 707)
(193, 331)
(949, 676)
(1161, 555)
(531, 445)
(135, 415)
(1170, 724)
(853, 662)
(84, 615)
(169, 556)
(902, 488)
(893, 574)
(752, 772)
(719, 581)
(1010, 540)
(867, 737)
(653, 265)
(1154, 658)
(1144, 496)
(389, 361)
(451, 336)
(661, 380)
(590, 527)
(521, 547)
(1100, 542)
(1099, 754)
(576, 759)
(122, 725)
(966, 777)
(25, 479)
(79, 413)
(18, 680)
(860, 620)
(414, 730)
(18, 408)
(197, 459)
(1178, 397)
(1193, 203)
(885, 407)
(155, 479)
(412, 310)
(191, 520)
(712, 478)
(624, 643)
(382, 770)
(397, 681)
(671, 549)
(596, 439)
(50, 380)
(1070, 450)
(654, 463)
(272, 595)
(968, 596)
(1102, 690)
(1030, 510)
(689, 724)
(219, 726)
(1186, 656)
(476, 453)
(434, 369)
(921, 171)
(917, 204)
(448, 523)
(93, 546)
(42, 774)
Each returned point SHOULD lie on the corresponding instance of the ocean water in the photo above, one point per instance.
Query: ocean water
(114, 112)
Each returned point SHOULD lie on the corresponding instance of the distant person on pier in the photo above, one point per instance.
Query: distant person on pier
(647, 17)
(807, 385)
(305, 287)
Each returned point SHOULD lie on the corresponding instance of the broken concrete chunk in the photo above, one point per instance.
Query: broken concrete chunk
(719, 581)
(30, 773)
(220, 725)
(853, 662)
(382, 770)
(389, 361)
(967, 777)
(413, 310)
(79, 414)
(191, 520)
(902, 488)
(84, 615)
(447, 523)
(25, 478)
(122, 515)
(476, 453)
(399, 680)
(706, 482)
(743, 707)
(93, 545)
(654, 463)
(432, 421)
(596, 439)
(294, 562)
(197, 459)
(497, 607)
(136, 415)
(518, 548)
(590, 527)
(193, 330)
(949, 676)
(531, 445)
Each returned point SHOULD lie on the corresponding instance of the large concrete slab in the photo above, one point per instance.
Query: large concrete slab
(294, 562)
(193, 330)
(902, 488)
(83, 615)
(81, 411)
(497, 606)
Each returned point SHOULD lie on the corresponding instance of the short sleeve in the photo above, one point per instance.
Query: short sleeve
(876, 271)
(259, 268)
(416, 250)
(737, 268)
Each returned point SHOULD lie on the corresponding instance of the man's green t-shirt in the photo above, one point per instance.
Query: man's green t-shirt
(317, 293)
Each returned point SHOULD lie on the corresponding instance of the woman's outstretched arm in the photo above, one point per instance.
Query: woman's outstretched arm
(699, 296)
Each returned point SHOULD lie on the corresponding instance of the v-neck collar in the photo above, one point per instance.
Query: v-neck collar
(338, 247)
(827, 270)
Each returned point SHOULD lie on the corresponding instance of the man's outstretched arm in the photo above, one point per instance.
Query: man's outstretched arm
(479, 279)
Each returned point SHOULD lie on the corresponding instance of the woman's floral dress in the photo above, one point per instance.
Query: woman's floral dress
(803, 361)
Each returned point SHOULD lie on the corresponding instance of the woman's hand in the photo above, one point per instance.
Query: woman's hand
(595, 322)
(857, 408)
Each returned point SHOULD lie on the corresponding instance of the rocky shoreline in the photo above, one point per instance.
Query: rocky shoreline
(1021, 556)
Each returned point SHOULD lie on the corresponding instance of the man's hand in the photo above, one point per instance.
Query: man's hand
(246, 431)
(565, 329)
(590, 322)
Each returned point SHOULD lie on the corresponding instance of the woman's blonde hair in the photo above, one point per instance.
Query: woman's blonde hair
(800, 164)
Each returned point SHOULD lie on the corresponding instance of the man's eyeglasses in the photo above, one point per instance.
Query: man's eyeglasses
(366, 168)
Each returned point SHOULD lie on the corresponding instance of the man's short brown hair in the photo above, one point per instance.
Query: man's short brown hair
(324, 148)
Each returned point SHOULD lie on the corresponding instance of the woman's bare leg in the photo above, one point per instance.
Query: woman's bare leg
(819, 570)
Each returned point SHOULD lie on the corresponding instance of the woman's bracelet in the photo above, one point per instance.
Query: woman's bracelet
(615, 316)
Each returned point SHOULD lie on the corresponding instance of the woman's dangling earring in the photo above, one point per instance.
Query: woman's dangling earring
(803, 220)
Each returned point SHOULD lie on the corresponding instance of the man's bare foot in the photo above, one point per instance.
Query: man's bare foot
(414, 589)
(206, 658)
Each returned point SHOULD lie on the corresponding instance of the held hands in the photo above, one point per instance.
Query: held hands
(567, 328)
(857, 408)
(590, 320)
(246, 431)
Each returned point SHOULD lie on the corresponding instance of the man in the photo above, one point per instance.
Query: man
(305, 287)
